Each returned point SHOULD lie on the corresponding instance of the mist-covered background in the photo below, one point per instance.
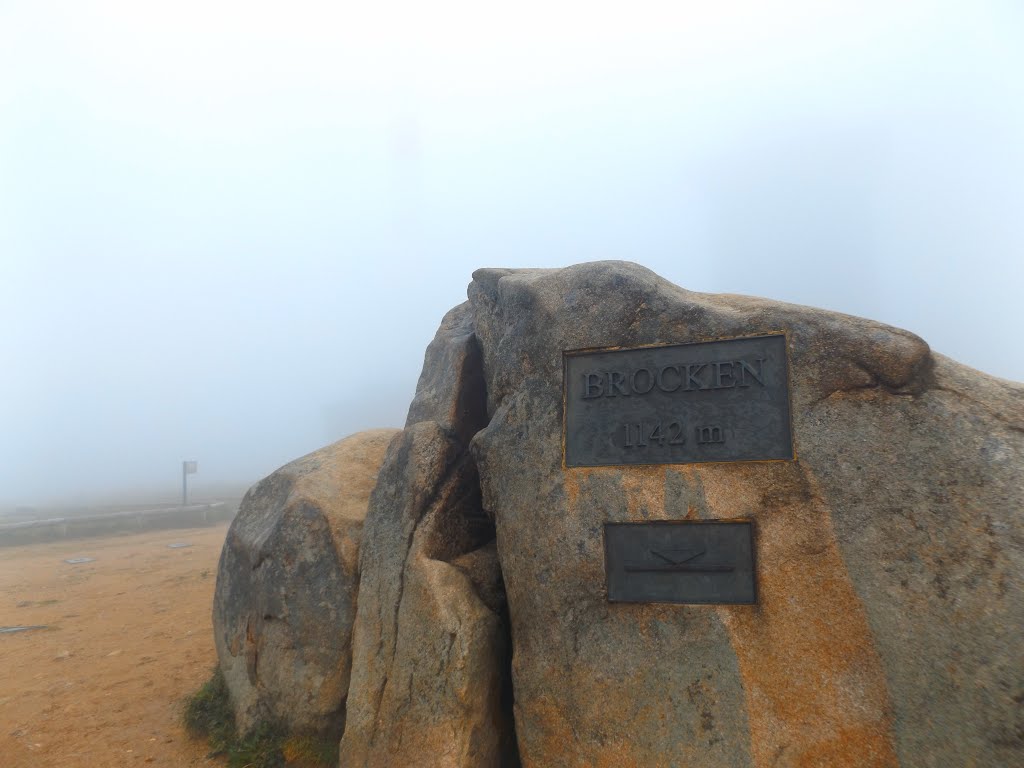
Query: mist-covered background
(229, 229)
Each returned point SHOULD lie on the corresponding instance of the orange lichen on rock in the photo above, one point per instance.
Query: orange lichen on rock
(815, 687)
(644, 487)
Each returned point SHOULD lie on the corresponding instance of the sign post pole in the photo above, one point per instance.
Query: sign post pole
(187, 468)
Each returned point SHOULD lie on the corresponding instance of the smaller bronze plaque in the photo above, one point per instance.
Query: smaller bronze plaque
(704, 562)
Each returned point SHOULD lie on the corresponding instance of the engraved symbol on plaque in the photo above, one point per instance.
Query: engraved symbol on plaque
(678, 561)
(699, 561)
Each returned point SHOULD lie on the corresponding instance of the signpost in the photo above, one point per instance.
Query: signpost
(187, 468)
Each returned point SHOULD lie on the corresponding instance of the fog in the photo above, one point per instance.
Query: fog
(228, 231)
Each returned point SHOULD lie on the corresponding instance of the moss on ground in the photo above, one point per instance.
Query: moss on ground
(208, 715)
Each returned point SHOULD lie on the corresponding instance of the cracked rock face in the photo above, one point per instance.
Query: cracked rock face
(287, 584)
(889, 553)
(889, 557)
(430, 642)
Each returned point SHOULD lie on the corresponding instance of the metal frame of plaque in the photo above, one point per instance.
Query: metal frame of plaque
(722, 400)
(689, 562)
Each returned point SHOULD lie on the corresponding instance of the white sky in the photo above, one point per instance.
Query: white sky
(228, 230)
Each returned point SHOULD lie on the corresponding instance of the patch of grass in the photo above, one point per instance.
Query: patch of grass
(262, 748)
(208, 715)
(310, 752)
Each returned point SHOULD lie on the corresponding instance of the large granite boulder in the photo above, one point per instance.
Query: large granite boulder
(430, 682)
(287, 585)
(889, 551)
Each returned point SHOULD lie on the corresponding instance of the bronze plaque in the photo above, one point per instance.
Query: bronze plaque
(703, 562)
(678, 404)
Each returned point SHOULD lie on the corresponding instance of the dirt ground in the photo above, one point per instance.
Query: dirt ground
(129, 636)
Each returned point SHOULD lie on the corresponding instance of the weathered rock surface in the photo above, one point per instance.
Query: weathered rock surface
(430, 643)
(287, 584)
(889, 558)
(890, 553)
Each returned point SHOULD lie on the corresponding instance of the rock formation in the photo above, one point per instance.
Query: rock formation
(430, 643)
(287, 584)
(890, 552)
(888, 548)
